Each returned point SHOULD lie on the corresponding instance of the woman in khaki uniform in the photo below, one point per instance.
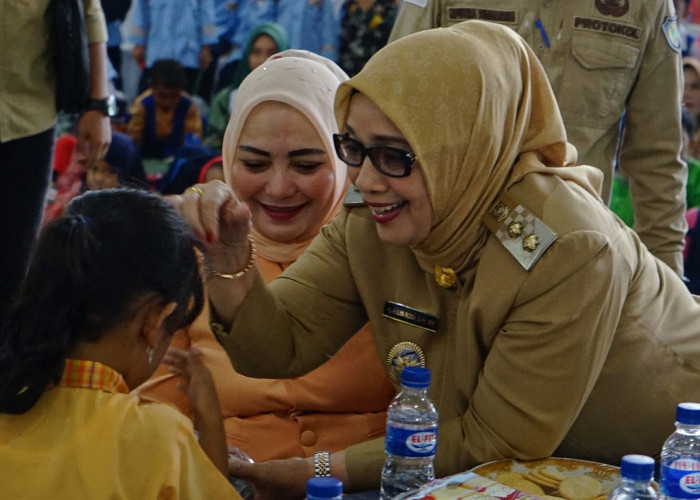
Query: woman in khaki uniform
(481, 252)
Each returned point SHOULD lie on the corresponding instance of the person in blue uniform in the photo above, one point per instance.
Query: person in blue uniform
(311, 25)
(173, 29)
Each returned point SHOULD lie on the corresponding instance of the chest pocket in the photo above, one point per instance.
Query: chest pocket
(599, 76)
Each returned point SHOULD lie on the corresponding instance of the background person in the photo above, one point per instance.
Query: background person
(27, 122)
(265, 39)
(284, 166)
(364, 29)
(121, 167)
(553, 321)
(164, 116)
(691, 97)
(311, 25)
(174, 29)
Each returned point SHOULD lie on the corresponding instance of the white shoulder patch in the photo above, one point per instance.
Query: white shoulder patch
(419, 3)
(672, 33)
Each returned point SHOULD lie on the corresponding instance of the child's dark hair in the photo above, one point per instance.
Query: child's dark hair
(110, 250)
(168, 73)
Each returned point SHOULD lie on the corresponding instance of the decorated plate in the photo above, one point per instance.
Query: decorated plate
(465, 485)
(550, 478)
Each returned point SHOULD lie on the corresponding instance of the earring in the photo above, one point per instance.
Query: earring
(150, 351)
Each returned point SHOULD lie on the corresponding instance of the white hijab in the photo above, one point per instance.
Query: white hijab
(308, 83)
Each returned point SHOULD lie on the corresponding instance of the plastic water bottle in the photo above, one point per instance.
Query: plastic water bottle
(637, 472)
(324, 488)
(680, 456)
(411, 435)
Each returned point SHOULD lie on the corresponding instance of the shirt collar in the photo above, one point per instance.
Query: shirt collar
(84, 374)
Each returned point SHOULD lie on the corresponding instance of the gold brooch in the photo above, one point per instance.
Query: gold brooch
(515, 229)
(445, 277)
(530, 242)
(401, 355)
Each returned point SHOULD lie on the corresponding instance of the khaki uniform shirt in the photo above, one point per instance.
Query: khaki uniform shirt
(584, 356)
(27, 74)
(602, 59)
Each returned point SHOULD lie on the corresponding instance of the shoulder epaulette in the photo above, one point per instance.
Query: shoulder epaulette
(523, 234)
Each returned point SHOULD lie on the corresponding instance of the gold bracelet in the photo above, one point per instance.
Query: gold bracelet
(248, 267)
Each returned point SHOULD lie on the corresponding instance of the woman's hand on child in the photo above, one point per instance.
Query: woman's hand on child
(275, 479)
(220, 220)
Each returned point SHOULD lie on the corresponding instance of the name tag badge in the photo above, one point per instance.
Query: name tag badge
(411, 316)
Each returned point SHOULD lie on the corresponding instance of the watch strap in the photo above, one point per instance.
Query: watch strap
(105, 106)
(322, 463)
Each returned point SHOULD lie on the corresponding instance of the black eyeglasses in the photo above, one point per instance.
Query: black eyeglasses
(392, 162)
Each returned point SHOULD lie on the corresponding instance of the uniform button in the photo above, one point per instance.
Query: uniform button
(547, 3)
(540, 46)
(308, 438)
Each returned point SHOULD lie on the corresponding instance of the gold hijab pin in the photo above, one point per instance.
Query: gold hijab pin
(445, 276)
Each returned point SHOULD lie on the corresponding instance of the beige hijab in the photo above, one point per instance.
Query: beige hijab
(475, 104)
(307, 82)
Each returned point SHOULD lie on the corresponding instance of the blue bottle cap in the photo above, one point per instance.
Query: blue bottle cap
(688, 413)
(415, 377)
(637, 467)
(324, 487)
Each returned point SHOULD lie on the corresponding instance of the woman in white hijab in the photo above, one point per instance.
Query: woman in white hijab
(279, 158)
(480, 252)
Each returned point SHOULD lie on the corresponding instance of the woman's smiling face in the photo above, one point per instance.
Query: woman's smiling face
(283, 172)
(400, 206)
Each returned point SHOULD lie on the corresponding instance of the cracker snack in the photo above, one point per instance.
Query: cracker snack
(550, 484)
(580, 488)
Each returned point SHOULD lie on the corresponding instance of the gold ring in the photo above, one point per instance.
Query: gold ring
(196, 189)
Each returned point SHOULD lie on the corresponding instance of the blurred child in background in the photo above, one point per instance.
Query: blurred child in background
(121, 167)
(186, 173)
(164, 116)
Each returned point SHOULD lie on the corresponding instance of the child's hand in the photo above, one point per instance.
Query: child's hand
(198, 383)
(199, 387)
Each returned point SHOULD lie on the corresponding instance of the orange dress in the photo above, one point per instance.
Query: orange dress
(338, 404)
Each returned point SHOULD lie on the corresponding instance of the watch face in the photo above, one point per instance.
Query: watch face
(111, 105)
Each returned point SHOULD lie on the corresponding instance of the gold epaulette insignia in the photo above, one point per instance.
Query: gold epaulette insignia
(524, 235)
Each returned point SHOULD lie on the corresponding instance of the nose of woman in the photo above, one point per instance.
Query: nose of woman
(367, 179)
(280, 182)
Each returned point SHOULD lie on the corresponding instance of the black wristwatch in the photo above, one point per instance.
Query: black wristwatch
(106, 106)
